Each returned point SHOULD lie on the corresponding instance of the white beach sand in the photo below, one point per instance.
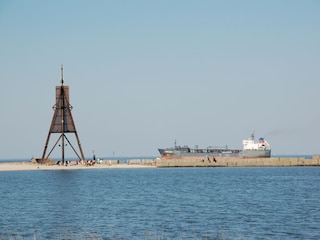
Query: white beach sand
(26, 166)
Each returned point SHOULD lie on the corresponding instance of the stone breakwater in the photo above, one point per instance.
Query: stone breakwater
(236, 162)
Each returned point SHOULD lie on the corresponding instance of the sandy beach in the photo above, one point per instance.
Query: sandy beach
(27, 166)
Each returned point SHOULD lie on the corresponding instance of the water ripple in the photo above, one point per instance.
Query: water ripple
(180, 203)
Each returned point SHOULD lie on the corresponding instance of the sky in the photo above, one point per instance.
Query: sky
(143, 74)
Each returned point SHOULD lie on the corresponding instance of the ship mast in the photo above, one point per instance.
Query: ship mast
(252, 136)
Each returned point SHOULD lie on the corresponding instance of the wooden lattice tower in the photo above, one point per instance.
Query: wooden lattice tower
(62, 122)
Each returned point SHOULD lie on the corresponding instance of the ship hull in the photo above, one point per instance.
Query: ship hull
(256, 153)
(227, 154)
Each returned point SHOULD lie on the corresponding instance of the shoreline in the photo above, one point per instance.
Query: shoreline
(30, 166)
(165, 163)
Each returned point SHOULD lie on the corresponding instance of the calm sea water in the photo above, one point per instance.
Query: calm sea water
(175, 203)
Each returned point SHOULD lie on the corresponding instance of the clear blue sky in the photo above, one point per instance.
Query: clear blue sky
(144, 73)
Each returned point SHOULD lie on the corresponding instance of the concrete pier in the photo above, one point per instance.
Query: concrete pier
(236, 162)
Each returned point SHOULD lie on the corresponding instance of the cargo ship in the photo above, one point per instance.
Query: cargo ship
(251, 149)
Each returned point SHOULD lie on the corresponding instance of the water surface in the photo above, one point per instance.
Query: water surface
(173, 203)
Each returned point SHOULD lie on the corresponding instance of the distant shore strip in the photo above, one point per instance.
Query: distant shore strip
(166, 163)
